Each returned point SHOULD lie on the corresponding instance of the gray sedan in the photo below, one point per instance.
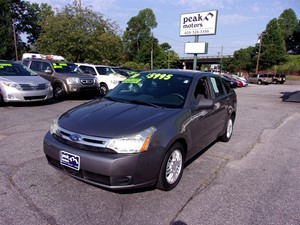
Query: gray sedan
(143, 131)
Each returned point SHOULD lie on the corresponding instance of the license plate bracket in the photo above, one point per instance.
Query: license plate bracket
(70, 160)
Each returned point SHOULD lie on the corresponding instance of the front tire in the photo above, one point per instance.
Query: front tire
(172, 168)
(103, 89)
(1, 101)
(58, 92)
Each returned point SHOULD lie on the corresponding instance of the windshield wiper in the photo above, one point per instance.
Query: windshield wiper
(144, 103)
(115, 99)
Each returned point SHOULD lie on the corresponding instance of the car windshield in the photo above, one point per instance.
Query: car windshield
(63, 67)
(105, 70)
(15, 69)
(153, 89)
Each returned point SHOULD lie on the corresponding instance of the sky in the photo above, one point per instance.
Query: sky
(238, 24)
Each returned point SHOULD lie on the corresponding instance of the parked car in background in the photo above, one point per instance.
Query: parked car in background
(260, 79)
(106, 76)
(232, 83)
(279, 79)
(64, 77)
(242, 79)
(144, 130)
(19, 84)
(238, 82)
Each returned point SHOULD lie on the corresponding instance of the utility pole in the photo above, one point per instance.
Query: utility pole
(259, 50)
(151, 65)
(15, 39)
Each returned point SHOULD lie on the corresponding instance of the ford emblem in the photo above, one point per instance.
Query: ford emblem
(75, 137)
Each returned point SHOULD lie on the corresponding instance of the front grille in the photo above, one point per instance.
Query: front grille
(33, 87)
(82, 146)
(83, 142)
(87, 81)
(29, 98)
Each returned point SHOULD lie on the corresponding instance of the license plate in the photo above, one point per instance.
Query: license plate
(70, 160)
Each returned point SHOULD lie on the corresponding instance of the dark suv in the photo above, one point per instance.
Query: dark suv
(64, 77)
(279, 79)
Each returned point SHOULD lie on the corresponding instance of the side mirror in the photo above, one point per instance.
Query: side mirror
(204, 104)
(48, 71)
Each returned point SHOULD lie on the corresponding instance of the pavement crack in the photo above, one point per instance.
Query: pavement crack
(201, 188)
(29, 202)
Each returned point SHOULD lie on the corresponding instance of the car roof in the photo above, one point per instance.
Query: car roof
(47, 60)
(190, 73)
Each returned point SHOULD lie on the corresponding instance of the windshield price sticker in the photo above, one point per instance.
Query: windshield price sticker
(59, 65)
(160, 76)
(2, 65)
(132, 80)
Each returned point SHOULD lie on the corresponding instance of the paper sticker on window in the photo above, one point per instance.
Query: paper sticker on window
(59, 65)
(214, 84)
(132, 81)
(2, 65)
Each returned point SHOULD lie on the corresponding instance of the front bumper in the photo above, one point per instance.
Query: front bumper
(108, 170)
(14, 95)
(78, 88)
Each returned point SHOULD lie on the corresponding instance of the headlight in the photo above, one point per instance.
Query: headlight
(73, 80)
(114, 81)
(132, 144)
(48, 85)
(12, 84)
(54, 126)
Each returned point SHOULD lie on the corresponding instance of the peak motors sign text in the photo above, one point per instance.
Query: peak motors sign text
(203, 23)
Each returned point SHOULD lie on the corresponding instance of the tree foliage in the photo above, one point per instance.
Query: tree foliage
(273, 50)
(287, 23)
(80, 35)
(140, 44)
(293, 41)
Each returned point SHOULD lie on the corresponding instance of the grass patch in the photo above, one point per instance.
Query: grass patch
(293, 77)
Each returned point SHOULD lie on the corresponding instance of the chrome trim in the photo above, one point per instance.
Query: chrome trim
(84, 139)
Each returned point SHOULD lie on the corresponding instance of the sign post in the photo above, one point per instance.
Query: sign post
(195, 54)
(198, 24)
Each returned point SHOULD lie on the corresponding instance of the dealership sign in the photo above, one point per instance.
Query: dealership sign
(202, 23)
(196, 48)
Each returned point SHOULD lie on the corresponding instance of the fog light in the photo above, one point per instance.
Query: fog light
(10, 96)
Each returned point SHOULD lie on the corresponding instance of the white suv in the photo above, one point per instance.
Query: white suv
(106, 76)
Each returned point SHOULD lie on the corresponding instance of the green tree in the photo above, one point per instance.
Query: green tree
(287, 22)
(12, 12)
(80, 35)
(32, 26)
(243, 59)
(293, 41)
(273, 50)
(138, 38)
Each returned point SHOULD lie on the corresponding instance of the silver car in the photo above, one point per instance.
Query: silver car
(20, 84)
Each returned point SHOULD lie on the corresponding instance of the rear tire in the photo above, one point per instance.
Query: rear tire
(172, 168)
(228, 130)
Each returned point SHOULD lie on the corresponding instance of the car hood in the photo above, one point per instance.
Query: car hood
(24, 79)
(113, 119)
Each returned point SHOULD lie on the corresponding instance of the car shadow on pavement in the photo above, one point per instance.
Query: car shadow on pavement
(291, 96)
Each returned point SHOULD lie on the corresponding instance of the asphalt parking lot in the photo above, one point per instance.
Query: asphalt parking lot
(252, 179)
